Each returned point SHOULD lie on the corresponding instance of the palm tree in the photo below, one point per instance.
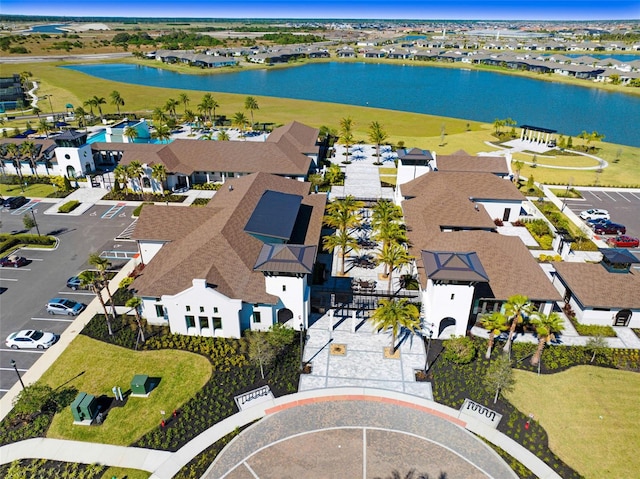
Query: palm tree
(251, 104)
(189, 117)
(393, 256)
(495, 323)
(91, 280)
(159, 173)
(344, 241)
(395, 314)
(547, 326)
(170, 106)
(29, 149)
(184, 99)
(36, 111)
(517, 168)
(97, 101)
(498, 124)
(158, 115)
(516, 308)
(116, 100)
(223, 135)
(135, 303)
(207, 105)
(389, 233)
(120, 174)
(343, 214)
(102, 265)
(162, 133)
(385, 212)
(346, 134)
(80, 115)
(135, 172)
(131, 133)
(13, 151)
(240, 120)
(89, 103)
(44, 127)
(377, 135)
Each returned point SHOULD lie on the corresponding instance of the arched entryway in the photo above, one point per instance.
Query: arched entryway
(146, 182)
(71, 172)
(623, 317)
(284, 315)
(446, 323)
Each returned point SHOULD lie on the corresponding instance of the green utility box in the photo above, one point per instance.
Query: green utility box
(84, 407)
(141, 385)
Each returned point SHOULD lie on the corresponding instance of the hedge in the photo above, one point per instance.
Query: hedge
(8, 241)
(69, 206)
(138, 209)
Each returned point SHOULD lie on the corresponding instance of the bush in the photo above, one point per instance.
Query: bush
(207, 186)
(69, 206)
(459, 350)
(8, 241)
(136, 212)
(200, 201)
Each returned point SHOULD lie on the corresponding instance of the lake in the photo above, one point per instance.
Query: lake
(51, 28)
(468, 94)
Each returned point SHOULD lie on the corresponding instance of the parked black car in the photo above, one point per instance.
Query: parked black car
(15, 202)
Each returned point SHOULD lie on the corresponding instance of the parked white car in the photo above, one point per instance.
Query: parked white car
(30, 339)
(594, 213)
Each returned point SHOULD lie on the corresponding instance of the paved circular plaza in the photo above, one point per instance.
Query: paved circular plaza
(350, 439)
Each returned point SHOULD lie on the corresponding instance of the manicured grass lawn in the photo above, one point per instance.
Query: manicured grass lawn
(590, 415)
(35, 190)
(95, 367)
(121, 472)
(571, 161)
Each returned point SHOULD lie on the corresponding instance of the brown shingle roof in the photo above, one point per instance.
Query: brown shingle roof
(461, 161)
(462, 184)
(187, 156)
(216, 247)
(302, 137)
(595, 287)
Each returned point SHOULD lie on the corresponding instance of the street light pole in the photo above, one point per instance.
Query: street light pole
(426, 363)
(301, 346)
(50, 105)
(13, 363)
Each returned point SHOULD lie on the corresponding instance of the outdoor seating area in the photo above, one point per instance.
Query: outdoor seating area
(364, 261)
(358, 285)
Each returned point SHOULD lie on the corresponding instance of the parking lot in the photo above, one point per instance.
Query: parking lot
(623, 206)
(25, 291)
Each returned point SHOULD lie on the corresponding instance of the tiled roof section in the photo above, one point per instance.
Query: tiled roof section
(595, 287)
(284, 258)
(302, 137)
(506, 260)
(452, 266)
(216, 248)
(461, 161)
(187, 156)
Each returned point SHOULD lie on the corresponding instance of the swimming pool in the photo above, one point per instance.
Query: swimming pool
(101, 137)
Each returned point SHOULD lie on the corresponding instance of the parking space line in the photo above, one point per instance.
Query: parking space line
(17, 269)
(8, 279)
(595, 196)
(35, 351)
(113, 211)
(635, 196)
(11, 369)
(53, 319)
(623, 196)
(35, 259)
(82, 293)
(609, 196)
(25, 208)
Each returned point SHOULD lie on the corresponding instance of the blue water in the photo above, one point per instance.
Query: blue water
(101, 137)
(125, 124)
(474, 95)
(52, 28)
(623, 57)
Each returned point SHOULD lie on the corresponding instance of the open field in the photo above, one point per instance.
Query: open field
(590, 415)
(415, 130)
(182, 375)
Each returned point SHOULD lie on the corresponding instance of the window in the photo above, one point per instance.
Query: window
(202, 309)
(159, 310)
(284, 287)
(217, 323)
(188, 308)
(452, 296)
(204, 322)
(256, 317)
(191, 321)
(215, 309)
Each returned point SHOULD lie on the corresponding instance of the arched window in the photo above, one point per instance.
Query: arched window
(71, 171)
(146, 182)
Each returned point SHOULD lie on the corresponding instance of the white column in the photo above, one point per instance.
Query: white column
(522, 134)
(353, 321)
(330, 320)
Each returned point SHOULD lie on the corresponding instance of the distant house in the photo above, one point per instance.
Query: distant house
(605, 294)
(242, 262)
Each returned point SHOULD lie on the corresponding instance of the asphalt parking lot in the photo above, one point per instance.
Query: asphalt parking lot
(623, 206)
(25, 291)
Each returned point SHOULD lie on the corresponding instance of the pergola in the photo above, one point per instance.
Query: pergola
(535, 134)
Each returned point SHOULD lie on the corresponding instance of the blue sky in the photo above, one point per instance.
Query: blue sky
(371, 9)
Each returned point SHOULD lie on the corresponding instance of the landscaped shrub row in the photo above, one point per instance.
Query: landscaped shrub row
(68, 206)
(592, 329)
(207, 186)
(124, 330)
(44, 469)
(138, 209)
(8, 241)
(150, 197)
(200, 201)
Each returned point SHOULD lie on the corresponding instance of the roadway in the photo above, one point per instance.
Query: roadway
(25, 291)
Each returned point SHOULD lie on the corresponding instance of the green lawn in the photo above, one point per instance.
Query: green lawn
(36, 190)
(95, 367)
(591, 415)
(121, 472)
